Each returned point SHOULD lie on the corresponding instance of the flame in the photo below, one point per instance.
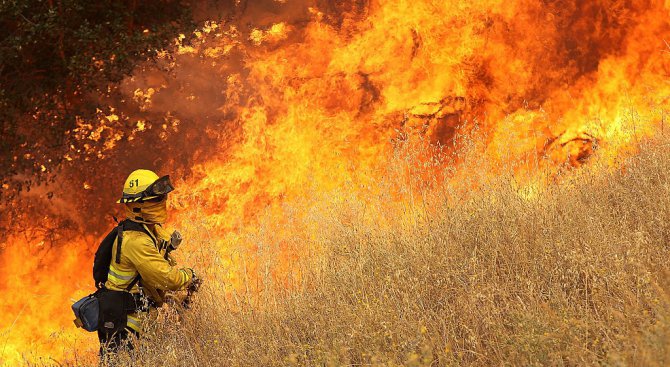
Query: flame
(307, 103)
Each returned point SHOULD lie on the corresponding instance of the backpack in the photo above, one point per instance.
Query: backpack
(103, 256)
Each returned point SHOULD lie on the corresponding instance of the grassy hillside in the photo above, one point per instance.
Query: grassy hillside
(577, 274)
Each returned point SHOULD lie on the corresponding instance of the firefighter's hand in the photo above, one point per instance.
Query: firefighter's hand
(195, 283)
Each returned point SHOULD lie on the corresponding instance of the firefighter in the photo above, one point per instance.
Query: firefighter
(141, 270)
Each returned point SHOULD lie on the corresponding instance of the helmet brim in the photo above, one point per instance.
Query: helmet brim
(134, 200)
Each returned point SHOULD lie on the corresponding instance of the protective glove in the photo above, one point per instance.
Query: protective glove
(192, 287)
(195, 282)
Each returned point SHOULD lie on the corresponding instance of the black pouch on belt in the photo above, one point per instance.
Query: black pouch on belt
(114, 309)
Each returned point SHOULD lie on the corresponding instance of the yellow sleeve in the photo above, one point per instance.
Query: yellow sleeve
(156, 272)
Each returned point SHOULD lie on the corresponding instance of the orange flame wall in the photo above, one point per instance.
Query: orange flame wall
(294, 97)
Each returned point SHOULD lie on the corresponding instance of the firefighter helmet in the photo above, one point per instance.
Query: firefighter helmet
(143, 184)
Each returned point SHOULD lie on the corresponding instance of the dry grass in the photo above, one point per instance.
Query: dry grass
(577, 275)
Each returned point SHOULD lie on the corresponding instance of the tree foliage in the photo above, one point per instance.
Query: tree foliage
(57, 57)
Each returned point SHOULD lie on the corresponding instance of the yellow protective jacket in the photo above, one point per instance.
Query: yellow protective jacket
(144, 255)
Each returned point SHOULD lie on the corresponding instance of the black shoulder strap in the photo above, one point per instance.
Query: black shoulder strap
(130, 225)
(119, 239)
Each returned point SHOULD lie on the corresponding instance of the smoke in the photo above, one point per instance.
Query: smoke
(189, 105)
